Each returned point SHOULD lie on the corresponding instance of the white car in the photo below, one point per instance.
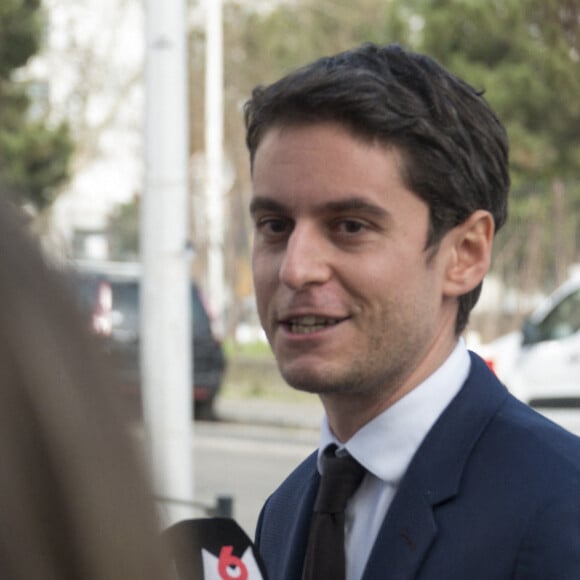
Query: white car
(541, 364)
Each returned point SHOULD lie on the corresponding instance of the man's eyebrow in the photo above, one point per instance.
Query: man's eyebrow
(265, 204)
(355, 204)
(339, 206)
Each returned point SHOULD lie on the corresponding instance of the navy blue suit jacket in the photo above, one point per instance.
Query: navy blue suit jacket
(493, 493)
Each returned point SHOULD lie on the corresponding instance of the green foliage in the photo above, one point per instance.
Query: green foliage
(20, 29)
(254, 349)
(123, 231)
(525, 54)
(271, 43)
(34, 153)
(34, 160)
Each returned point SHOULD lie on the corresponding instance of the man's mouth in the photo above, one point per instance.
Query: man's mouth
(309, 324)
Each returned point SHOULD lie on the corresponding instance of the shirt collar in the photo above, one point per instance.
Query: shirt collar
(401, 428)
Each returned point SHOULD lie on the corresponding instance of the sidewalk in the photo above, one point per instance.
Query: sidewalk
(267, 411)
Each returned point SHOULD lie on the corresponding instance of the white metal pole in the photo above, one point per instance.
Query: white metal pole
(166, 322)
(214, 156)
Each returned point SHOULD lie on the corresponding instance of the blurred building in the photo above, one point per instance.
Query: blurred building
(89, 73)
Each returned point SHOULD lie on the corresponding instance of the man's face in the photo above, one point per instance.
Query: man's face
(346, 293)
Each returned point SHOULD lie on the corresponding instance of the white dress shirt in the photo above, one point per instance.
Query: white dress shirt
(385, 447)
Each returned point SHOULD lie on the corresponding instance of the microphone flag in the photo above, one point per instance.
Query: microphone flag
(213, 549)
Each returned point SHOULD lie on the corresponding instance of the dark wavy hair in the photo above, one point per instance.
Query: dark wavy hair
(454, 148)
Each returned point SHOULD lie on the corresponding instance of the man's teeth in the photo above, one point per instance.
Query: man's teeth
(308, 324)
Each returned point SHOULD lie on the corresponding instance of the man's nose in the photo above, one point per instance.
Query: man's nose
(306, 258)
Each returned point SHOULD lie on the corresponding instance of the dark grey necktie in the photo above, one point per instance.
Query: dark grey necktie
(341, 476)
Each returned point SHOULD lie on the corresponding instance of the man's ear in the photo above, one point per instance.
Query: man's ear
(470, 253)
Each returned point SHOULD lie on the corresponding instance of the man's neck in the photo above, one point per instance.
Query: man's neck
(347, 413)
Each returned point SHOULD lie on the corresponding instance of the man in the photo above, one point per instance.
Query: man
(379, 181)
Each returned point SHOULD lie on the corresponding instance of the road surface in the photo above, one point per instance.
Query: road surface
(246, 462)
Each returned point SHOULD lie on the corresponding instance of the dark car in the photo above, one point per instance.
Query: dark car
(109, 295)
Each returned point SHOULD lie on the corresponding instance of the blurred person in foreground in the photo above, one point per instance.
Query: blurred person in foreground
(73, 499)
(379, 181)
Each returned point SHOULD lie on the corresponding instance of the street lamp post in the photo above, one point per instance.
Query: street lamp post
(214, 120)
(166, 347)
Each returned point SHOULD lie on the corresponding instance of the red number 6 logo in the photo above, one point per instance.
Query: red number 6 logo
(227, 561)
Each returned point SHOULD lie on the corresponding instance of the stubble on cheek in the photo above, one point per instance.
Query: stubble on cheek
(264, 296)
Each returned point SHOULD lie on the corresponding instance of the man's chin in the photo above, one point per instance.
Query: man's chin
(317, 382)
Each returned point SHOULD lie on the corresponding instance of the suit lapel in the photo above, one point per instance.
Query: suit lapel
(433, 477)
(298, 534)
(405, 537)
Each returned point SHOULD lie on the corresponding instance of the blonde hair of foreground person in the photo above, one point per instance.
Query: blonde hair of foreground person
(73, 499)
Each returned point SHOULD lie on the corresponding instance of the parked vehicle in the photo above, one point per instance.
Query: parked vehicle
(109, 295)
(541, 363)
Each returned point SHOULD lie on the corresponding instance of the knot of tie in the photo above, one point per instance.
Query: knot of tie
(341, 477)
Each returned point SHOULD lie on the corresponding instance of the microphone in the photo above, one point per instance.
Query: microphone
(213, 549)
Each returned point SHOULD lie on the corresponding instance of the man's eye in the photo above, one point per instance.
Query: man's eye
(350, 226)
(272, 226)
